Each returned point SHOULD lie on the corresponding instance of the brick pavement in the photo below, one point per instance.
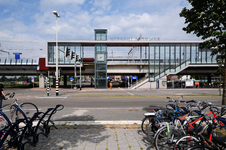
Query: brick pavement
(95, 136)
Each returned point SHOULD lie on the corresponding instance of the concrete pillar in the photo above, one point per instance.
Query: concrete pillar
(153, 85)
(65, 80)
(41, 81)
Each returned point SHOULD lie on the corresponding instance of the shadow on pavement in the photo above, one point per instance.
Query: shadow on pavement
(73, 137)
(77, 118)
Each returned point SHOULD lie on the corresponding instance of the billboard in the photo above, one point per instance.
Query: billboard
(189, 83)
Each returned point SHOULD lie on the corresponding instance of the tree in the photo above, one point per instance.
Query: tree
(3, 79)
(206, 19)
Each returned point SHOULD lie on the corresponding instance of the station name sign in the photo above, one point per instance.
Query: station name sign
(135, 38)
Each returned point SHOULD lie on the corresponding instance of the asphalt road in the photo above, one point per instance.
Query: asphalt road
(91, 108)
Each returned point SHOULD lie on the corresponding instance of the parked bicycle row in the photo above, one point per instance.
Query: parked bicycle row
(186, 125)
(22, 124)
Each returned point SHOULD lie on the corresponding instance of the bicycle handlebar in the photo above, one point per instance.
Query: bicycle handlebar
(10, 95)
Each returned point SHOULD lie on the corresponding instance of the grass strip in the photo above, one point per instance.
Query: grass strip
(102, 95)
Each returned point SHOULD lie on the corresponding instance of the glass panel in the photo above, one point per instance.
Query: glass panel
(98, 48)
(199, 55)
(172, 59)
(188, 53)
(100, 67)
(183, 54)
(50, 54)
(214, 59)
(103, 36)
(167, 59)
(100, 74)
(98, 37)
(8, 61)
(100, 83)
(151, 60)
(157, 55)
(193, 54)
(178, 56)
(162, 55)
(209, 57)
(203, 56)
(60, 55)
(104, 48)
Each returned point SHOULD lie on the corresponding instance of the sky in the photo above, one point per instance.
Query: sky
(25, 25)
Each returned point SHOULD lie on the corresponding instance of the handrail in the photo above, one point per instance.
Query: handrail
(19, 61)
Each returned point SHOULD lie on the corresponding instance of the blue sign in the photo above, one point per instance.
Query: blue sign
(17, 55)
(134, 78)
(71, 78)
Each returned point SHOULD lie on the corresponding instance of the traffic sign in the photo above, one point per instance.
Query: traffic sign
(71, 78)
(134, 78)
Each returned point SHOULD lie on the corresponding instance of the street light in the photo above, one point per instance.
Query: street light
(57, 16)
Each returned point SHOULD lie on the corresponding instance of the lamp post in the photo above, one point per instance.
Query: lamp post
(57, 16)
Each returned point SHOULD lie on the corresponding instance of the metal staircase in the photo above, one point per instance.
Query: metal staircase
(165, 72)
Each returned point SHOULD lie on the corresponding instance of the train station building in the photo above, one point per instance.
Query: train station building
(152, 62)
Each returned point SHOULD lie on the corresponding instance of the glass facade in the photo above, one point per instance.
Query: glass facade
(170, 57)
(100, 34)
(101, 59)
(101, 66)
(62, 60)
(163, 58)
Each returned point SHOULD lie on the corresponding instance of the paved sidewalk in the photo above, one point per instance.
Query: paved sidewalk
(98, 136)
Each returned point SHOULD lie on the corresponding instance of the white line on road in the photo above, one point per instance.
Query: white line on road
(130, 93)
(51, 97)
(126, 92)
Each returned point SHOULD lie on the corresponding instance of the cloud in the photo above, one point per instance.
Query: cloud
(33, 21)
(5, 10)
(62, 5)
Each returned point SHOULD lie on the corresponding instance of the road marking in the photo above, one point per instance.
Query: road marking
(126, 92)
(114, 108)
(51, 97)
(120, 88)
(129, 93)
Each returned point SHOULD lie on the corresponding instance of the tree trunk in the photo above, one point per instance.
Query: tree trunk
(220, 86)
(224, 83)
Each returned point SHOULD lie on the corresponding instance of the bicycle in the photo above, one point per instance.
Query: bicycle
(158, 113)
(168, 135)
(170, 116)
(193, 138)
(27, 107)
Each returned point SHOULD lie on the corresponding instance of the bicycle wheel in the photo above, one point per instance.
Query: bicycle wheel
(4, 121)
(145, 123)
(165, 138)
(29, 110)
(199, 147)
(186, 142)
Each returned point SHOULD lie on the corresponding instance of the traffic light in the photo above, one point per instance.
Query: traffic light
(76, 57)
(72, 55)
(66, 52)
(60, 72)
(53, 73)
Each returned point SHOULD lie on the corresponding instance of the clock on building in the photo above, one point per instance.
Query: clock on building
(100, 57)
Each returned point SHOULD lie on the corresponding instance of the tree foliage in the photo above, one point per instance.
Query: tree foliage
(207, 20)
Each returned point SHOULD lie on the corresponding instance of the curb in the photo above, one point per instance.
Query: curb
(123, 122)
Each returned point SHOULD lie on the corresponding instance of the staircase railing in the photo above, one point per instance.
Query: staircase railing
(158, 75)
(169, 70)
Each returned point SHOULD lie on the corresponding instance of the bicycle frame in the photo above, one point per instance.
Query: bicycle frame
(190, 125)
